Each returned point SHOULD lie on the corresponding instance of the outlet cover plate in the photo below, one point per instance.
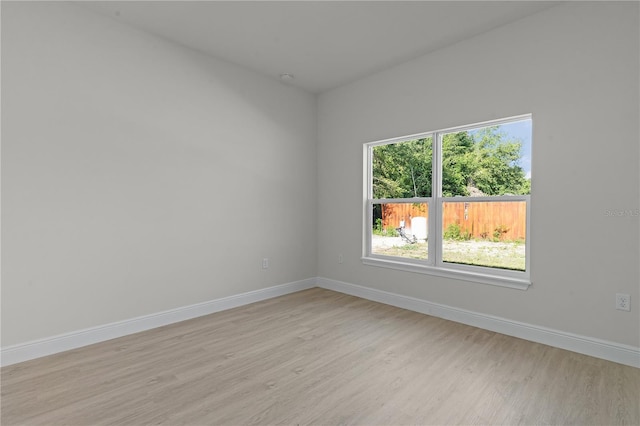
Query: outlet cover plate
(623, 302)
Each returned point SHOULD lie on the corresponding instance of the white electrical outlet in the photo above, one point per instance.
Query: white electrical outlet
(340, 258)
(623, 302)
(265, 263)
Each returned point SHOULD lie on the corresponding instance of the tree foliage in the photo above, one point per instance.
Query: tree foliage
(402, 170)
(484, 159)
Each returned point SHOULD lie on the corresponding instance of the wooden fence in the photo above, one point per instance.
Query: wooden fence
(479, 219)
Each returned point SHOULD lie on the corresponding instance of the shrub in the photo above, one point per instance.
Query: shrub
(454, 232)
(377, 228)
(499, 232)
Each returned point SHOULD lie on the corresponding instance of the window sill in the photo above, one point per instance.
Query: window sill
(477, 277)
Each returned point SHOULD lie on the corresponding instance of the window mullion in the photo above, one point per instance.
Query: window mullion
(435, 226)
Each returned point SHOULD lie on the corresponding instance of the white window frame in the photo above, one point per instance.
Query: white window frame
(434, 265)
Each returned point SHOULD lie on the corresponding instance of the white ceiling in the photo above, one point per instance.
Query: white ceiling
(324, 44)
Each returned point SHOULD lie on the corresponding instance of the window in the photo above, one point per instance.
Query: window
(452, 202)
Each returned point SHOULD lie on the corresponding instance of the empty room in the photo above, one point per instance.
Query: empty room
(319, 212)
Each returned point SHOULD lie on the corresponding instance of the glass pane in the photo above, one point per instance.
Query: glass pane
(403, 169)
(494, 160)
(485, 233)
(400, 229)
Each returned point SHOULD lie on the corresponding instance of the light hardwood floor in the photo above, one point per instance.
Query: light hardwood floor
(319, 357)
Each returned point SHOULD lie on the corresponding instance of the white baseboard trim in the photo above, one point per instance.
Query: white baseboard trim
(610, 351)
(64, 342)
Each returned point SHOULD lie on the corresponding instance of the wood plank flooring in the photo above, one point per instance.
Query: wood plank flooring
(319, 357)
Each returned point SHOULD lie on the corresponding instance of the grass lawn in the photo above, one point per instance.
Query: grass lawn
(507, 255)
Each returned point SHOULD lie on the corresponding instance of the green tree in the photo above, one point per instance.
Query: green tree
(402, 170)
(494, 161)
(484, 159)
(457, 163)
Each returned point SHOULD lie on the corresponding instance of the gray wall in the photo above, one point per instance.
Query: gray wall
(575, 67)
(139, 176)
